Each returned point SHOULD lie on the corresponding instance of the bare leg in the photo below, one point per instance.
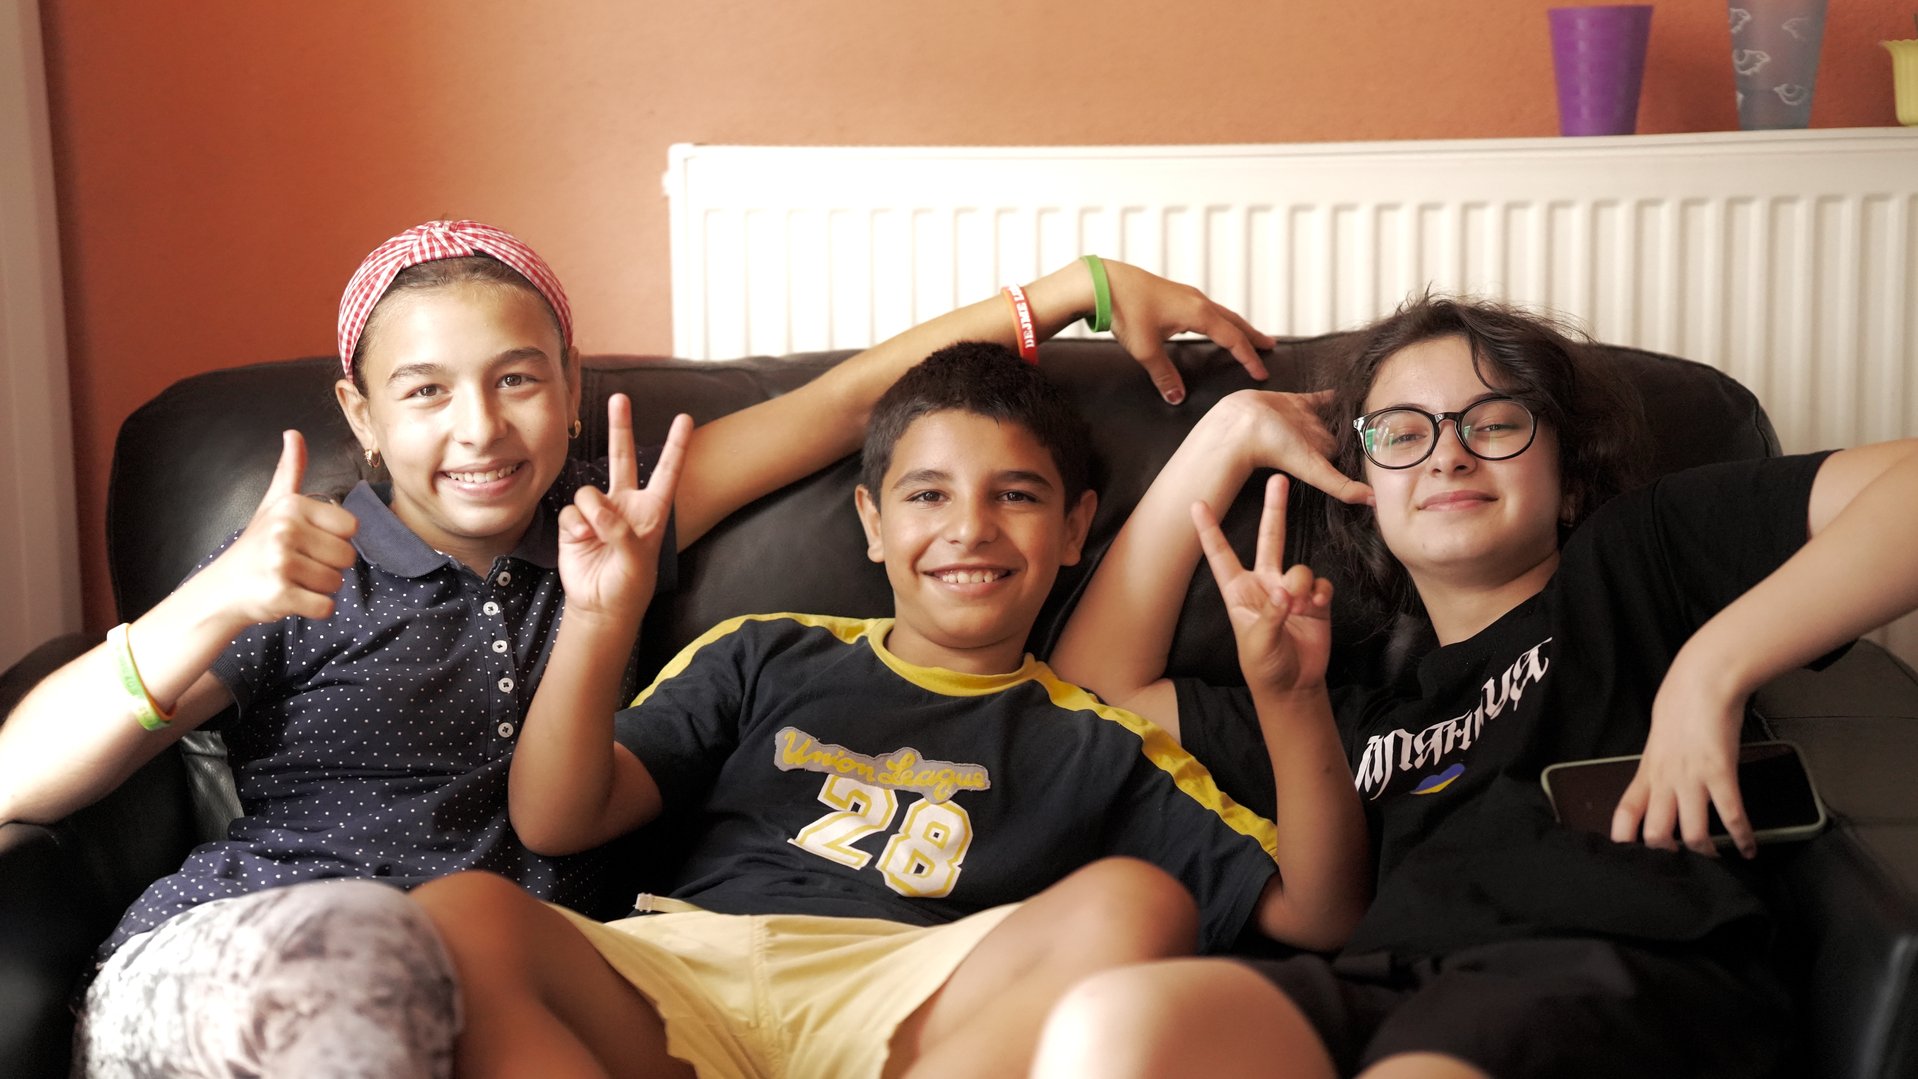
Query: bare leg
(538, 998)
(1422, 1066)
(1207, 1017)
(985, 1020)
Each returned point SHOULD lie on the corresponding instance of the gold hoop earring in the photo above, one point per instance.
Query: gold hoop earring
(373, 460)
(576, 429)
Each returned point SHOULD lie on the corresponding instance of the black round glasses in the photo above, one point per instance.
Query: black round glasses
(1494, 429)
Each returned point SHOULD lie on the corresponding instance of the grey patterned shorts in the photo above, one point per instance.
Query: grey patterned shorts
(332, 978)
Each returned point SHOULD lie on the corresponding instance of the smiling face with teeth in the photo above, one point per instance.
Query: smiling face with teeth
(972, 522)
(470, 394)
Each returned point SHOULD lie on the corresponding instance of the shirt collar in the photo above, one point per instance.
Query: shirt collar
(385, 541)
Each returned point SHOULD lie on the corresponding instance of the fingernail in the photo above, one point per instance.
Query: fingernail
(1173, 397)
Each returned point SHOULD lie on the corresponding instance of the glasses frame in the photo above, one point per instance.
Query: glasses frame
(1438, 420)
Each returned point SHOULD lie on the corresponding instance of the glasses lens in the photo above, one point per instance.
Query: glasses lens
(1398, 437)
(1497, 429)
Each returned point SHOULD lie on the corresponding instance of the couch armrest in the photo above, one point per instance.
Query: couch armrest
(62, 889)
(1854, 891)
(48, 930)
(64, 886)
(37, 664)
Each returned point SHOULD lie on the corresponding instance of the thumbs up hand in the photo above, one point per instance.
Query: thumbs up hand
(289, 559)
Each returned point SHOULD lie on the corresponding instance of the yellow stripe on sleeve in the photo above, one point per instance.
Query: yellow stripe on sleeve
(1165, 752)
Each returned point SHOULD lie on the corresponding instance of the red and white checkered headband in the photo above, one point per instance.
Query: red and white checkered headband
(441, 240)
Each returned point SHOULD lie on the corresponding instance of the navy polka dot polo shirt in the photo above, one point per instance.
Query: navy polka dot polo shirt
(375, 744)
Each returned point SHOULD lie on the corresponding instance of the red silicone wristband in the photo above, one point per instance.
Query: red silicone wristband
(1022, 323)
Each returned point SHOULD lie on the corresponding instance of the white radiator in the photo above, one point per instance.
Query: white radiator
(1786, 259)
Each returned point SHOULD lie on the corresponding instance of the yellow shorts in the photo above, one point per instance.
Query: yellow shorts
(750, 995)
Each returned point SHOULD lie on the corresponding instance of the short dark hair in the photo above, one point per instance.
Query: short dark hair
(440, 273)
(1542, 364)
(987, 380)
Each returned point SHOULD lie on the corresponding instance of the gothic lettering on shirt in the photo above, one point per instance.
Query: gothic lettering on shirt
(1398, 751)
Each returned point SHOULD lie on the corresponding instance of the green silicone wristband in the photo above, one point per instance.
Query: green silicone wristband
(1101, 318)
(144, 708)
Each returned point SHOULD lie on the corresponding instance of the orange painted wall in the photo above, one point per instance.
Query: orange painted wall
(222, 167)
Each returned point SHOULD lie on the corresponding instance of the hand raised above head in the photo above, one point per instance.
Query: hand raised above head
(609, 542)
(290, 557)
(1147, 309)
(1281, 618)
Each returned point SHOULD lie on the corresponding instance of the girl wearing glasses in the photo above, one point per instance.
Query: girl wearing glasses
(1474, 461)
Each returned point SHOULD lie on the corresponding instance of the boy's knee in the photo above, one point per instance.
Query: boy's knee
(1105, 1021)
(476, 914)
(1121, 999)
(473, 892)
(1129, 900)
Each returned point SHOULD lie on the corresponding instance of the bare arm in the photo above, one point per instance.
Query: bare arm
(571, 787)
(1323, 883)
(1117, 639)
(742, 456)
(1282, 621)
(1855, 573)
(74, 737)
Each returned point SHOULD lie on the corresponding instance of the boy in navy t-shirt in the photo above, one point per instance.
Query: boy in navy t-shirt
(908, 836)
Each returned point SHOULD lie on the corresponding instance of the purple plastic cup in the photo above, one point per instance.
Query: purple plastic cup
(1598, 55)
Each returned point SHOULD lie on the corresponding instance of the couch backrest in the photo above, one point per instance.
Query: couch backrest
(190, 466)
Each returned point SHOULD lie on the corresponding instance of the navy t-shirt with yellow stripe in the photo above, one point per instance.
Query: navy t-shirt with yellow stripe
(821, 774)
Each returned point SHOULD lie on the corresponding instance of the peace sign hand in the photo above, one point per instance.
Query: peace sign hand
(609, 542)
(1282, 619)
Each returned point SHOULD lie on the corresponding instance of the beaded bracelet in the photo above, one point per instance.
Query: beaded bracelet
(1022, 323)
(145, 708)
(1101, 318)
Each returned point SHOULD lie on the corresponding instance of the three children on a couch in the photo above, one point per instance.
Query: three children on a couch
(1490, 924)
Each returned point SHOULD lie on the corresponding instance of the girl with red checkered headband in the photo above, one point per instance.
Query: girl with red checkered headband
(379, 655)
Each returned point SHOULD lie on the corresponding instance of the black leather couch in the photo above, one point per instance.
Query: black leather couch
(191, 464)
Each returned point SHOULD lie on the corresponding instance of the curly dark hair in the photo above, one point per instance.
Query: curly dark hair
(1538, 361)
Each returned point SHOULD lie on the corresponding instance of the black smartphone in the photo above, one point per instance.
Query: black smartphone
(1779, 797)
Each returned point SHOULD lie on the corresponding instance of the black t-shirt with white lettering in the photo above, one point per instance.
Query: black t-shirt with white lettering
(1447, 764)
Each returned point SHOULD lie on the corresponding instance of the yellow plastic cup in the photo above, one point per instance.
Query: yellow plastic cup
(1904, 78)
